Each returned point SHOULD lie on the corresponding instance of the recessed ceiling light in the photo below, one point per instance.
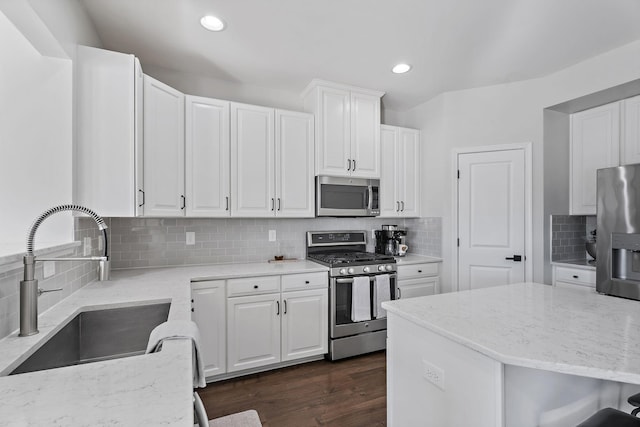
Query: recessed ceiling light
(212, 23)
(401, 68)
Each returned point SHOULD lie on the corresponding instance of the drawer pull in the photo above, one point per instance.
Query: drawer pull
(255, 286)
(306, 282)
(575, 276)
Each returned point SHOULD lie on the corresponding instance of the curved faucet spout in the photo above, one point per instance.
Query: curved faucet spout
(29, 290)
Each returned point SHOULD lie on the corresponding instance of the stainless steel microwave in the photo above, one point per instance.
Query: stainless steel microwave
(337, 196)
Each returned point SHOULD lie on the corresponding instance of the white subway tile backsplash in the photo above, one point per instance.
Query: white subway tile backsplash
(140, 242)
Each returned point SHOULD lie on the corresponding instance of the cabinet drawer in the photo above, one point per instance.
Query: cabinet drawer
(575, 275)
(417, 270)
(305, 281)
(253, 285)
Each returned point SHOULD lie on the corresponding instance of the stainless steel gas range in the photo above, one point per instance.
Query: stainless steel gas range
(358, 282)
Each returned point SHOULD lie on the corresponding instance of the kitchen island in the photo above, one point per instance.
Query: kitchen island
(518, 355)
(144, 390)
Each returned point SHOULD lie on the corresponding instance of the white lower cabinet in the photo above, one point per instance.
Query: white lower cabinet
(253, 331)
(208, 311)
(417, 280)
(574, 278)
(253, 322)
(305, 317)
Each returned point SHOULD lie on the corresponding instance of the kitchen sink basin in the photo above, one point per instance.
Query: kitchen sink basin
(93, 336)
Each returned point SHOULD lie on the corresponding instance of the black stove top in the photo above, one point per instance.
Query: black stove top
(338, 258)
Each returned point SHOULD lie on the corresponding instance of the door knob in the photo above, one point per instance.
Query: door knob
(516, 258)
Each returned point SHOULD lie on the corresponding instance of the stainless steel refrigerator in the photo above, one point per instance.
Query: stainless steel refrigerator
(618, 232)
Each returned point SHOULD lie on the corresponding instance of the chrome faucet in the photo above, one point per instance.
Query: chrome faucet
(29, 291)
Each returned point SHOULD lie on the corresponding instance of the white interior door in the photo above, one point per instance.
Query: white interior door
(491, 218)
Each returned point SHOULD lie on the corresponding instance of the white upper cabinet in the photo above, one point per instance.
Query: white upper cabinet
(207, 157)
(271, 162)
(163, 149)
(108, 151)
(294, 164)
(400, 174)
(595, 144)
(347, 129)
(252, 161)
(631, 128)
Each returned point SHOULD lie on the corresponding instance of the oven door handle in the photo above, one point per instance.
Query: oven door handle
(371, 279)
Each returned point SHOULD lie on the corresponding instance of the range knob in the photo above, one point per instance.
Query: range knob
(343, 271)
(366, 269)
(388, 267)
(381, 268)
(351, 270)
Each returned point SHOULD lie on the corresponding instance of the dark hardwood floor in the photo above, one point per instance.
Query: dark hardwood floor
(345, 393)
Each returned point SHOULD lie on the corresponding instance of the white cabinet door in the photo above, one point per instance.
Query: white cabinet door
(389, 201)
(294, 164)
(365, 135)
(400, 173)
(209, 314)
(305, 323)
(207, 157)
(163, 149)
(418, 287)
(595, 144)
(631, 138)
(409, 172)
(109, 131)
(253, 331)
(252, 159)
(334, 132)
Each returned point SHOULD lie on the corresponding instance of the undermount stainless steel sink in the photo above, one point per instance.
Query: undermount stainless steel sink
(93, 336)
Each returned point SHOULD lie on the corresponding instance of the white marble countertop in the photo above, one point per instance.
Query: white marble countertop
(537, 326)
(409, 259)
(583, 264)
(146, 390)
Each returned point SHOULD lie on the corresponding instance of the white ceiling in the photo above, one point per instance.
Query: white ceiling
(452, 44)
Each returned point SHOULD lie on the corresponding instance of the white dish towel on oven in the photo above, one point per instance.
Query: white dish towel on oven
(381, 293)
(360, 299)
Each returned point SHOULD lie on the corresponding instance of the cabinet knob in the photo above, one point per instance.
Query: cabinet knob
(419, 271)
(575, 276)
(306, 282)
(255, 286)
(192, 310)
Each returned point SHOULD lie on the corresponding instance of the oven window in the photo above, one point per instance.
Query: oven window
(343, 196)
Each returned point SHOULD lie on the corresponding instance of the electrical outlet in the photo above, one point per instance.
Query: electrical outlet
(48, 268)
(433, 374)
(86, 251)
(272, 235)
(191, 238)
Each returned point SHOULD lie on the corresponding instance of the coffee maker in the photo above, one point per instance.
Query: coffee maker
(391, 241)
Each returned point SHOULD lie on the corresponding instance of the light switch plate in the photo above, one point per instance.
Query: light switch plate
(48, 268)
(86, 251)
(191, 238)
(272, 235)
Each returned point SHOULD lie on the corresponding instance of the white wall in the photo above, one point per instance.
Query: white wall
(35, 141)
(194, 84)
(504, 114)
(38, 39)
